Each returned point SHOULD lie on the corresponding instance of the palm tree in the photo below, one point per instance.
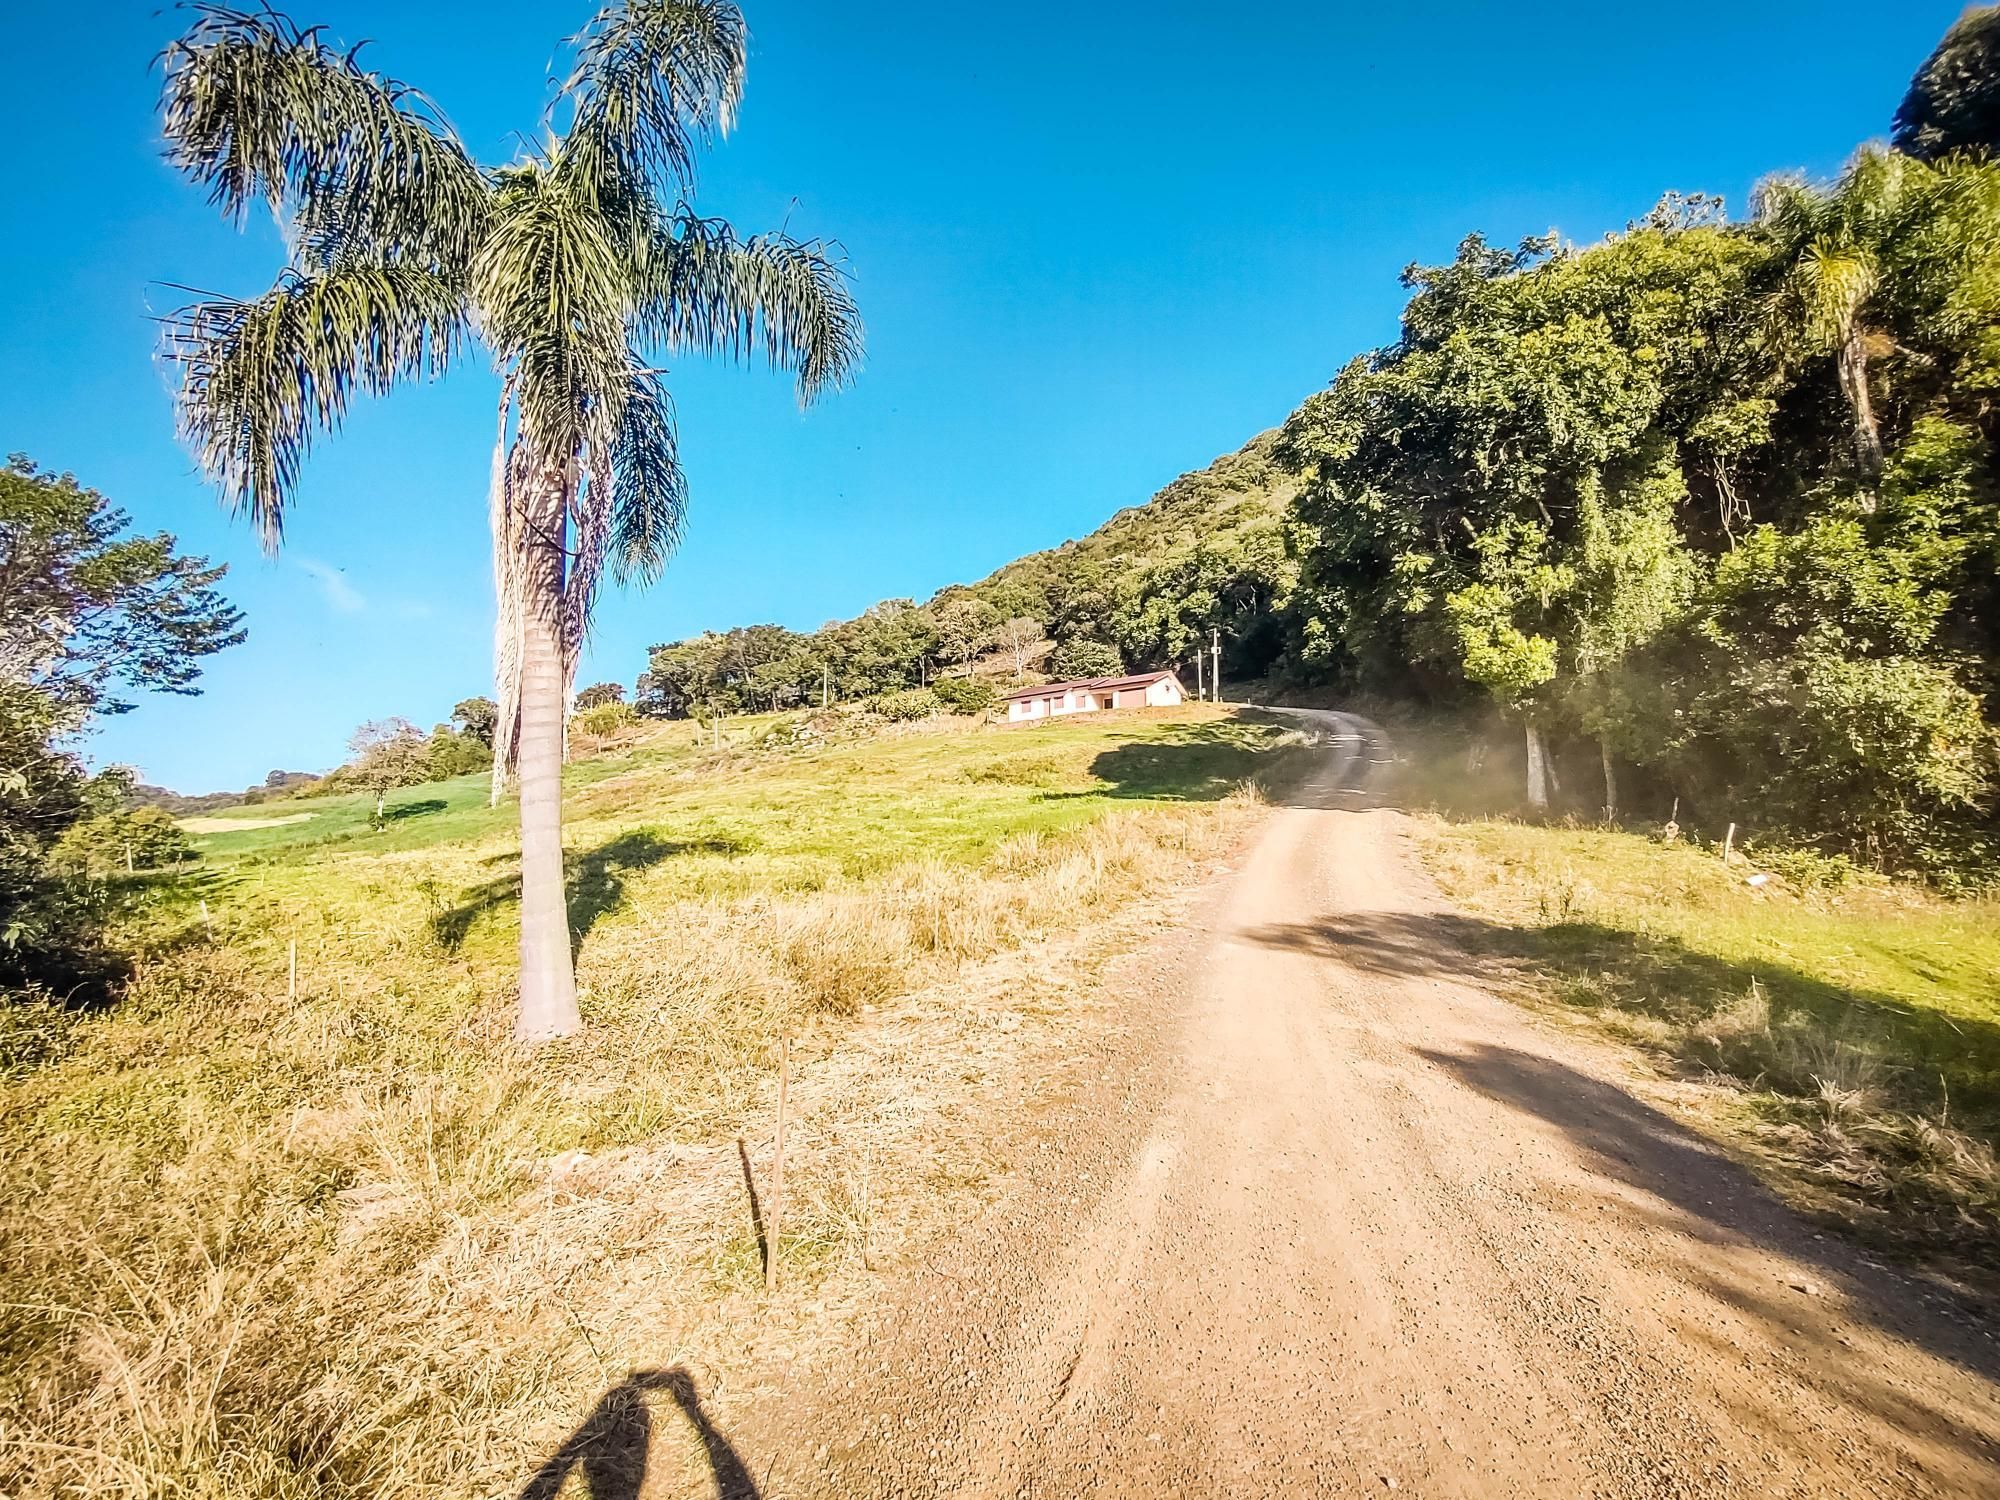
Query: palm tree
(1831, 245)
(572, 265)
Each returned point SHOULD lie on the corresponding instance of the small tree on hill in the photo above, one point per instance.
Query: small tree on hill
(388, 753)
(598, 694)
(138, 838)
(1018, 637)
(475, 718)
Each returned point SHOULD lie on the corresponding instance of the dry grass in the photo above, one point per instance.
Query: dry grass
(359, 1245)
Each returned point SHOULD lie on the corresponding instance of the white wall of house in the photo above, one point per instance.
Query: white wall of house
(1162, 694)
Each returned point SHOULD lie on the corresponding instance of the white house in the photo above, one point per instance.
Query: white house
(1086, 695)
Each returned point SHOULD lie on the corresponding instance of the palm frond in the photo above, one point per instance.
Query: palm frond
(1827, 287)
(355, 163)
(654, 80)
(650, 488)
(706, 291)
(554, 295)
(259, 377)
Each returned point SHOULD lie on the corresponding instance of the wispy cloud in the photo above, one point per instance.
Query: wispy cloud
(340, 594)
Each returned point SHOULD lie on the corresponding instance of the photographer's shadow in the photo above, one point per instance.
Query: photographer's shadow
(612, 1445)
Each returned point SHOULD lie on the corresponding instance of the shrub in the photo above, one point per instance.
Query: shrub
(139, 838)
(604, 719)
(965, 695)
(910, 703)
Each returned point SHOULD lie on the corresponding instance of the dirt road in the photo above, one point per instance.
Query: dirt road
(1343, 1223)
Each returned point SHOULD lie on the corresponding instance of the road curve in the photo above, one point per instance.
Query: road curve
(1346, 1223)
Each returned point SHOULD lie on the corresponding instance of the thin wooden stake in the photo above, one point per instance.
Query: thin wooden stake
(292, 965)
(778, 1169)
(1728, 843)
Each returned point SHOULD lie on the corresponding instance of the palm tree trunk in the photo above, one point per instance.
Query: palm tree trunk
(548, 975)
(1851, 363)
(1538, 769)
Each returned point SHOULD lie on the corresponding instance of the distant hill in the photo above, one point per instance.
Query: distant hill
(1206, 554)
(1239, 491)
(278, 783)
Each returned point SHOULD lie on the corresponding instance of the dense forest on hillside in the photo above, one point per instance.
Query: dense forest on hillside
(1208, 552)
(1707, 510)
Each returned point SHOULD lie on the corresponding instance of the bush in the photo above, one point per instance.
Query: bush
(910, 703)
(965, 695)
(605, 719)
(139, 838)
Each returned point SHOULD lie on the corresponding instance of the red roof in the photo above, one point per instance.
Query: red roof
(1080, 684)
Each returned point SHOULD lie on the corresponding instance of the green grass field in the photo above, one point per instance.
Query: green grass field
(1853, 1022)
(674, 816)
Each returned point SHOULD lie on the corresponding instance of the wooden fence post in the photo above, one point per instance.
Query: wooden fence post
(778, 1169)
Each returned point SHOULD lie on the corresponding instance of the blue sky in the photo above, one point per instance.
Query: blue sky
(1095, 244)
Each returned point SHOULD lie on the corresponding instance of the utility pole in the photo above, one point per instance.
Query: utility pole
(1215, 676)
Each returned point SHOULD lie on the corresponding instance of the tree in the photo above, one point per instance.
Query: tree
(86, 607)
(964, 624)
(573, 264)
(1087, 659)
(475, 718)
(137, 838)
(1018, 637)
(451, 752)
(600, 693)
(1954, 101)
(386, 754)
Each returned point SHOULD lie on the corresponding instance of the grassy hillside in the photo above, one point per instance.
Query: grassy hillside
(353, 1242)
(1849, 1026)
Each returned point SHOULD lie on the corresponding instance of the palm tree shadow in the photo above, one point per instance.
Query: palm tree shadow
(612, 1446)
(596, 883)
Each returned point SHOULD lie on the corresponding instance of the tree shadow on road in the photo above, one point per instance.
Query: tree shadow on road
(1596, 966)
(1710, 1199)
(1703, 1193)
(1205, 762)
(613, 1446)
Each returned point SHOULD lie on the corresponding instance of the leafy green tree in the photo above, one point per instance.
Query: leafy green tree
(385, 754)
(605, 719)
(1487, 504)
(964, 625)
(599, 693)
(1833, 245)
(86, 607)
(137, 838)
(1087, 659)
(49, 936)
(1954, 101)
(573, 264)
(451, 752)
(476, 718)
